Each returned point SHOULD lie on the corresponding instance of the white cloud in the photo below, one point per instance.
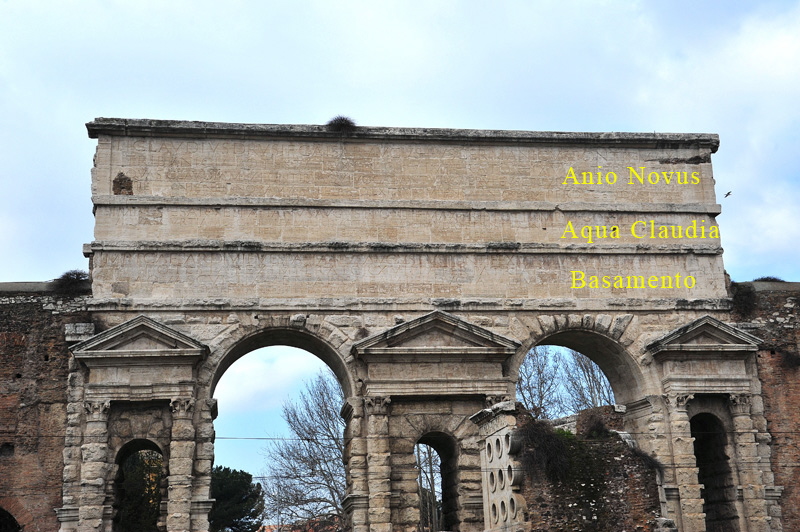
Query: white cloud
(744, 85)
(730, 68)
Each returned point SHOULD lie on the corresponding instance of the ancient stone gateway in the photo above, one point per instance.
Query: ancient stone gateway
(421, 265)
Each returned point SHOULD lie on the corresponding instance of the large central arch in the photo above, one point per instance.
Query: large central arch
(420, 265)
(298, 337)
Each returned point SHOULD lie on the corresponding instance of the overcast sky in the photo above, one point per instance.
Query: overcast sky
(726, 67)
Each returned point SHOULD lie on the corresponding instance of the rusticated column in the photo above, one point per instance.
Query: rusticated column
(203, 464)
(73, 439)
(356, 502)
(378, 463)
(181, 462)
(95, 466)
(748, 464)
(693, 519)
(405, 487)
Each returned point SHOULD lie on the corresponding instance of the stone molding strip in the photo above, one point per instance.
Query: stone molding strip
(242, 246)
(129, 127)
(504, 206)
(335, 304)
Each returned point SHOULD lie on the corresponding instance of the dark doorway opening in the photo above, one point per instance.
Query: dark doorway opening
(138, 487)
(8, 523)
(438, 482)
(714, 472)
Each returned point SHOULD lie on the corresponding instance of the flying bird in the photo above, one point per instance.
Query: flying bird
(728, 193)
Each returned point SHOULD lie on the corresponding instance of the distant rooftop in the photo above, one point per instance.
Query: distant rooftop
(185, 129)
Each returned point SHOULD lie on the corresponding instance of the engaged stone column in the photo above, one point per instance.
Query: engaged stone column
(378, 463)
(356, 502)
(95, 466)
(748, 464)
(693, 518)
(73, 439)
(181, 461)
(203, 464)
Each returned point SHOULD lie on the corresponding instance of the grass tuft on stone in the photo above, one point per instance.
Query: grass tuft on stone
(341, 124)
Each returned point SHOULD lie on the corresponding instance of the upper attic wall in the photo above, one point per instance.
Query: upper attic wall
(201, 160)
(236, 210)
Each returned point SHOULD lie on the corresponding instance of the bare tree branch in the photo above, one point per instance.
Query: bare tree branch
(556, 381)
(586, 384)
(539, 384)
(430, 487)
(305, 478)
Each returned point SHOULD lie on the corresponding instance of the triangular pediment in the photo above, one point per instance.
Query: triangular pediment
(141, 335)
(705, 334)
(437, 330)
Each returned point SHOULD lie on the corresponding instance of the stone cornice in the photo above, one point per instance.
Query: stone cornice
(409, 304)
(712, 209)
(246, 246)
(205, 130)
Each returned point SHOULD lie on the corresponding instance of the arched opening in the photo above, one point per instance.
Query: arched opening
(290, 338)
(562, 382)
(139, 487)
(8, 523)
(621, 370)
(279, 396)
(714, 472)
(555, 382)
(438, 481)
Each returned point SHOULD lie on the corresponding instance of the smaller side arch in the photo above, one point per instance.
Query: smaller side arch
(9, 523)
(447, 448)
(620, 367)
(715, 472)
(134, 446)
(140, 485)
(455, 438)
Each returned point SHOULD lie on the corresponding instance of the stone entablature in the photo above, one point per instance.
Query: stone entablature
(140, 359)
(705, 356)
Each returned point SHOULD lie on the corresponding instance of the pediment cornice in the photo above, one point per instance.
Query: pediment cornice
(705, 335)
(141, 339)
(438, 332)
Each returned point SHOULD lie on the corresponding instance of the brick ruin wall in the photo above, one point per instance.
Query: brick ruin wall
(34, 364)
(773, 317)
(606, 487)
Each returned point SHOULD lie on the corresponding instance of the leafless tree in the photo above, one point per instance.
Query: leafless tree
(305, 477)
(555, 381)
(430, 487)
(585, 384)
(539, 384)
